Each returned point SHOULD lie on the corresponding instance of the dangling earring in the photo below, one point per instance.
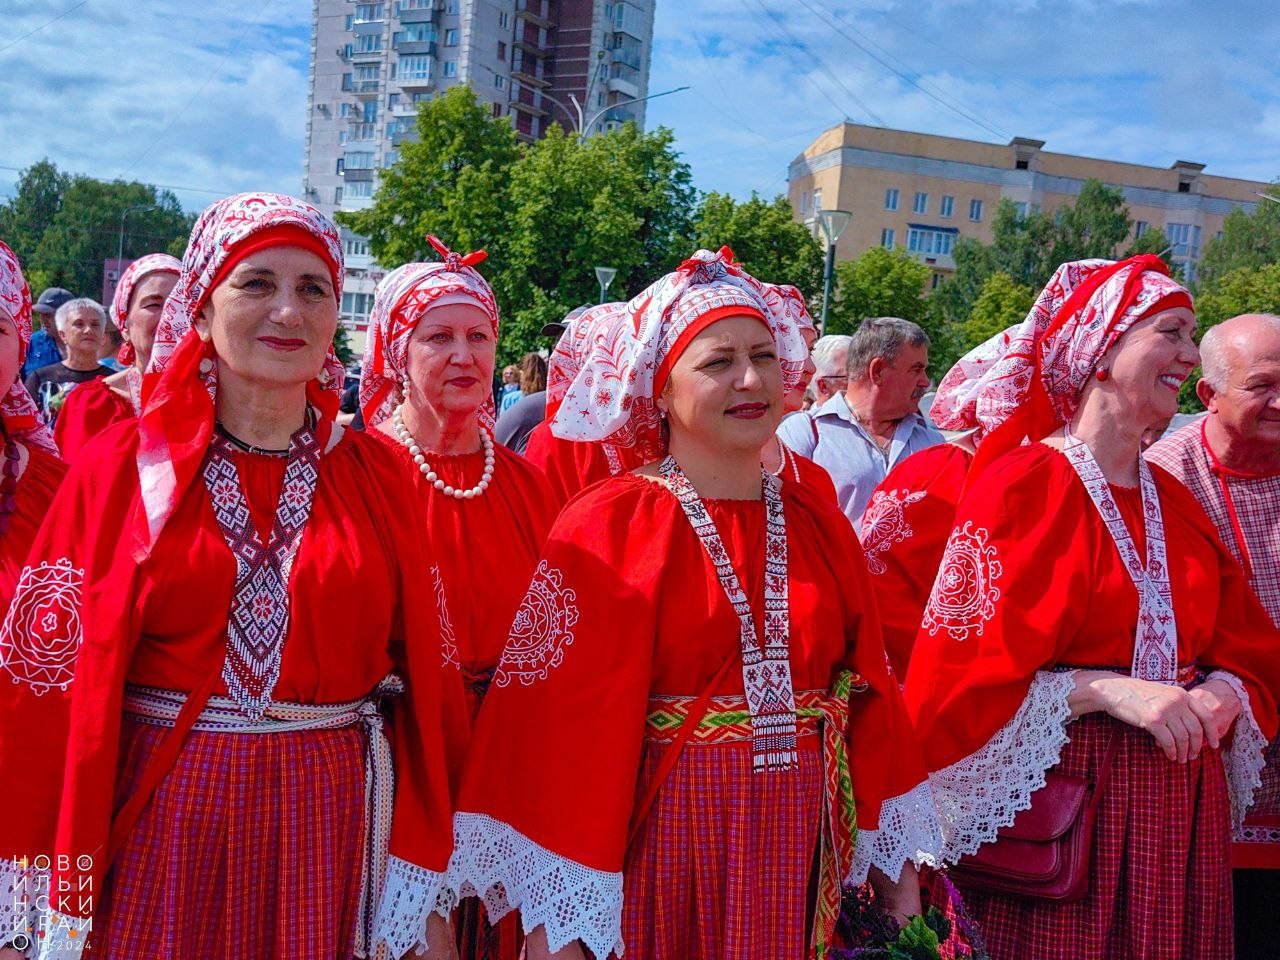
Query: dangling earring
(206, 367)
(1102, 375)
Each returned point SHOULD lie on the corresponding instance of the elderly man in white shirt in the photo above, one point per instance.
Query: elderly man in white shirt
(860, 433)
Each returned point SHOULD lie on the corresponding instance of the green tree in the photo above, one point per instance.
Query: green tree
(30, 211)
(85, 231)
(342, 346)
(1000, 305)
(765, 238)
(880, 283)
(1154, 241)
(1248, 240)
(1094, 226)
(451, 182)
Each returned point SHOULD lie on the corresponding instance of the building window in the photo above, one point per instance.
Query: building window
(504, 20)
(934, 281)
(393, 100)
(360, 160)
(975, 211)
(451, 37)
(413, 5)
(369, 43)
(1020, 208)
(345, 109)
(929, 241)
(886, 238)
(414, 68)
(946, 206)
(337, 194)
(1140, 228)
(451, 68)
(357, 305)
(502, 51)
(921, 203)
(359, 188)
(891, 199)
(1184, 186)
(817, 201)
(341, 165)
(416, 33)
(422, 98)
(497, 109)
(499, 81)
(355, 247)
(368, 12)
(451, 7)
(1022, 164)
(1184, 239)
(350, 21)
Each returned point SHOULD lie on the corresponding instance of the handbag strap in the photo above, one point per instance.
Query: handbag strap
(1104, 769)
(161, 762)
(672, 754)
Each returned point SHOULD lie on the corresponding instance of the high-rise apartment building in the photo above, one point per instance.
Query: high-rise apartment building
(535, 61)
(920, 192)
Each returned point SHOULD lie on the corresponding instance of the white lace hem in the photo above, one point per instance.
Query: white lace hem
(983, 792)
(496, 862)
(908, 831)
(411, 894)
(1244, 759)
(65, 936)
(17, 906)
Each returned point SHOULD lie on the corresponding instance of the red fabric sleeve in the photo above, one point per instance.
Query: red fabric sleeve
(88, 411)
(816, 477)
(1006, 602)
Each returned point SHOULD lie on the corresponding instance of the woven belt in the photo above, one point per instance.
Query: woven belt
(817, 711)
(159, 707)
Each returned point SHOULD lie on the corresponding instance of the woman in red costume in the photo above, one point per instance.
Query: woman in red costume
(697, 589)
(1086, 621)
(226, 693)
(135, 310)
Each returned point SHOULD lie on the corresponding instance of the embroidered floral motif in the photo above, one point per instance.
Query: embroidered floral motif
(964, 595)
(542, 629)
(448, 639)
(885, 523)
(42, 631)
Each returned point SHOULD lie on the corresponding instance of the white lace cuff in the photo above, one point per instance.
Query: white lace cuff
(411, 893)
(1244, 759)
(496, 862)
(983, 792)
(908, 831)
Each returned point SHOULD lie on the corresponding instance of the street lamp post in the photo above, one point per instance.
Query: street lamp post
(604, 276)
(584, 126)
(833, 223)
(124, 213)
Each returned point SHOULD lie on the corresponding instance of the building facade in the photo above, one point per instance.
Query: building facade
(374, 63)
(920, 192)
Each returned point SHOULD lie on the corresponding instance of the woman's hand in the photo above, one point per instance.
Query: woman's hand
(900, 898)
(11, 953)
(1224, 705)
(1180, 723)
(440, 942)
(536, 948)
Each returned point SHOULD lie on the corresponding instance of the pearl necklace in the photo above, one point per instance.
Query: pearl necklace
(420, 458)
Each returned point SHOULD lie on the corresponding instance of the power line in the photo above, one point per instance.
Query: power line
(796, 41)
(162, 186)
(830, 19)
(47, 23)
(200, 89)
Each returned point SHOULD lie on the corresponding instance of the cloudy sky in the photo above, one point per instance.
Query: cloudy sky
(213, 99)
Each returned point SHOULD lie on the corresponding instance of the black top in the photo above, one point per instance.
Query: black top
(48, 382)
(519, 419)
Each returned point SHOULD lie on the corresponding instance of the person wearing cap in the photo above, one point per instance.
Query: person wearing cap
(81, 324)
(135, 310)
(46, 345)
(1088, 630)
(209, 639)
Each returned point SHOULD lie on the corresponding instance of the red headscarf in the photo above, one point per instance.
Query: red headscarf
(182, 378)
(1027, 381)
(21, 416)
(132, 276)
(402, 299)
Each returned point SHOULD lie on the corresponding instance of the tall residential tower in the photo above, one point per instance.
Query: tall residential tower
(373, 63)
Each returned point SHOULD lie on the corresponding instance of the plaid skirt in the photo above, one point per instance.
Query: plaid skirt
(1160, 873)
(725, 865)
(250, 848)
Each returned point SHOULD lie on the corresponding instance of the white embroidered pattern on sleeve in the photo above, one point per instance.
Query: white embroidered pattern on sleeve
(983, 792)
(908, 831)
(497, 863)
(411, 894)
(1244, 759)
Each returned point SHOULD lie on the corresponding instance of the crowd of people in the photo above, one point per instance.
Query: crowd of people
(723, 644)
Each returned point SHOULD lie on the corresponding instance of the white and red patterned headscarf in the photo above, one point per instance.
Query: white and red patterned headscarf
(181, 380)
(133, 275)
(582, 327)
(1030, 377)
(404, 296)
(22, 418)
(612, 398)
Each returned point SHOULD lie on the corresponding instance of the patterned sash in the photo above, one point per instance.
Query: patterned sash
(766, 672)
(259, 615)
(817, 711)
(1155, 648)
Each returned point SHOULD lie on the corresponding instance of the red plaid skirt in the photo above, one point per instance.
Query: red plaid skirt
(724, 867)
(1160, 875)
(250, 848)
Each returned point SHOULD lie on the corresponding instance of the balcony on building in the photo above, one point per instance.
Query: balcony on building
(367, 28)
(363, 89)
(402, 135)
(427, 12)
(528, 102)
(535, 11)
(529, 69)
(362, 132)
(626, 51)
(628, 19)
(530, 39)
(620, 115)
(407, 47)
(625, 81)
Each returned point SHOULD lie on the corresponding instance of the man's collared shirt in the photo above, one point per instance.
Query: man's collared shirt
(833, 438)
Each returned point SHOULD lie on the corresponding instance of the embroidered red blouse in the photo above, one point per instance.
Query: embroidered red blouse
(89, 410)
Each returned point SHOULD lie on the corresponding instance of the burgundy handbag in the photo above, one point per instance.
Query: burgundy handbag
(1044, 854)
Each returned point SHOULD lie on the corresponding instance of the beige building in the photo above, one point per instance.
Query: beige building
(920, 192)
